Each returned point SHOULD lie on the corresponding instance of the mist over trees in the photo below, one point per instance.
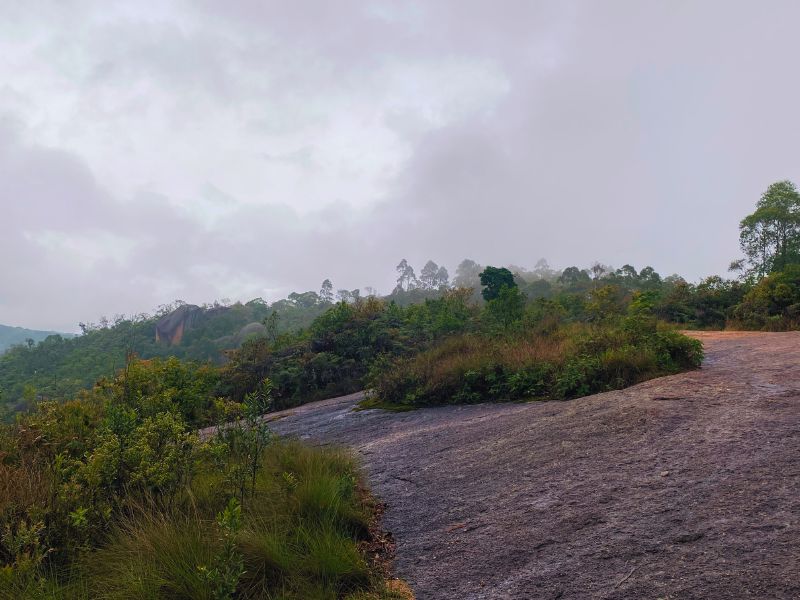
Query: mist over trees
(467, 274)
(765, 296)
(433, 277)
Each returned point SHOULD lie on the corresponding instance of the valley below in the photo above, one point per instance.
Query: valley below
(685, 486)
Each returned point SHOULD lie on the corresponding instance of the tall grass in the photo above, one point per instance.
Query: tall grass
(573, 360)
(301, 538)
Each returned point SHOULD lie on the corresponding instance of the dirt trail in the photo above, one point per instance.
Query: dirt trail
(682, 487)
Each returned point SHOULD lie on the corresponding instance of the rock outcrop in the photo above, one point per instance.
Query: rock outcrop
(171, 328)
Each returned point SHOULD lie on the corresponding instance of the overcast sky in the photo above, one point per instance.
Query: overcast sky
(204, 150)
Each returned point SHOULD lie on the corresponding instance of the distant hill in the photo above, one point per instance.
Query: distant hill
(12, 336)
(59, 365)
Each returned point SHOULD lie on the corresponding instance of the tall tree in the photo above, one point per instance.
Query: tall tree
(627, 273)
(326, 291)
(304, 300)
(406, 278)
(428, 276)
(649, 278)
(598, 271)
(467, 274)
(542, 270)
(573, 277)
(770, 237)
(442, 278)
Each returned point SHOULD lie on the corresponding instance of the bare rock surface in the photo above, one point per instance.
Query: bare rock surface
(681, 487)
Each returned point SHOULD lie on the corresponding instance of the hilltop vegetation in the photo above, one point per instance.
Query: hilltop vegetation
(311, 347)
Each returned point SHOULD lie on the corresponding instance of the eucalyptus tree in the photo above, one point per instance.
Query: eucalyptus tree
(427, 276)
(326, 291)
(406, 278)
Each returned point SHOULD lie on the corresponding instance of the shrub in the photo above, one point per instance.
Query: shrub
(569, 361)
(111, 497)
(773, 304)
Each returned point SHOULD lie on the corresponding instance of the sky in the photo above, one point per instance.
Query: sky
(202, 150)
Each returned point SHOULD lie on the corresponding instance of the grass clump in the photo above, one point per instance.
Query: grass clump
(297, 536)
(568, 361)
(115, 496)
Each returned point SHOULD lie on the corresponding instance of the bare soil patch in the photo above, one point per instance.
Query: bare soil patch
(681, 487)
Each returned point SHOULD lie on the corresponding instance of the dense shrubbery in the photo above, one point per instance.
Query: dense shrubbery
(334, 354)
(773, 304)
(473, 344)
(573, 360)
(313, 348)
(115, 495)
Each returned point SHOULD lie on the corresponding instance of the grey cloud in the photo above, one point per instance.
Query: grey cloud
(254, 148)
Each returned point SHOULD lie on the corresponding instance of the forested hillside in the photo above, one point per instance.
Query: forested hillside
(59, 365)
(14, 336)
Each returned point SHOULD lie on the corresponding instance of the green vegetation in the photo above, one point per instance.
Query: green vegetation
(342, 342)
(770, 237)
(593, 333)
(335, 353)
(109, 490)
(770, 241)
(565, 362)
(58, 366)
(773, 304)
(16, 336)
(311, 347)
(114, 495)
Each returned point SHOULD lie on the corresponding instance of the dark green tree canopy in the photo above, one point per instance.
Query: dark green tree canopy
(493, 279)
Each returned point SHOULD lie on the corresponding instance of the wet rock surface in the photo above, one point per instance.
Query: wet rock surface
(681, 487)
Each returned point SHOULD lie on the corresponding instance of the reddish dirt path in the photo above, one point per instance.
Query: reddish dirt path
(682, 487)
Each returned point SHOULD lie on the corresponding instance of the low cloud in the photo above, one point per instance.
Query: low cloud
(208, 150)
